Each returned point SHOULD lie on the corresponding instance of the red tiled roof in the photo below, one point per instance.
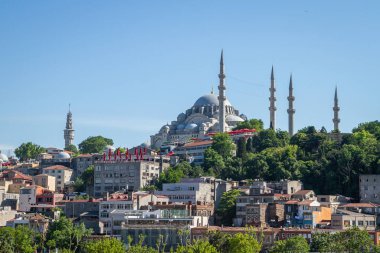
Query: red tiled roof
(368, 205)
(57, 167)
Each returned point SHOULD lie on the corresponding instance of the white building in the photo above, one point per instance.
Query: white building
(188, 191)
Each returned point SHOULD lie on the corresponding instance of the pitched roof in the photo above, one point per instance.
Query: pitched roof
(291, 202)
(302, 192)
(198, 143)
(365, 205)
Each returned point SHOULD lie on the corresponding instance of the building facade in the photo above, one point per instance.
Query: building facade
(369, 188)
(61, 173)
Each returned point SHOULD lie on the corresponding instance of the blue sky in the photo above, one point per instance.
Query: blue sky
(128, 67)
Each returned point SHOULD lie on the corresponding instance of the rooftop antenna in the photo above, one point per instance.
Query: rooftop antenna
(212, 88)
(69, 107)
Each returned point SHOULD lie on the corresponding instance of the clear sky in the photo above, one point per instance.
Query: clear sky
(128, 67)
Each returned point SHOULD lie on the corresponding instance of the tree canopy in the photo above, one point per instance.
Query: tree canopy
(227, 206)
(94, 144)
(28, 151)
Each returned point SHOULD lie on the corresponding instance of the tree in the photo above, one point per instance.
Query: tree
(372, 127)
(227, 206)
(88, 178)
(251, 124)
(243, 243)
(94, 144)
(241, 151)
(199, 246)
(294, 244)
(108, 245)
(28, 151)
(17, 240)
(350, 240)
(223, 144)
(171, 175)
(213, 162)
(72, 148)
(138, 247)
(63, 234)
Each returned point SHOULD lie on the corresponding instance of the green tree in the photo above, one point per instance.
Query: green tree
(227, 206)
(213, 162)
(223, 144)
(94, 144)
(199, 246)
(243, 243)
(241, 151)
(138, 247)
(294, 244)
(372, 127)
(88, 178)
(63, 234)
(7, 239)
(171, 175)
(108, 245)
(251, 124)
(28, 151)
(72, 148)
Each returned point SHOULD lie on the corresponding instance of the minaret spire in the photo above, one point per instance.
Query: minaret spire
(272, 100)
(336, 110)
(291, 109)
(222, 97)
(68, 133)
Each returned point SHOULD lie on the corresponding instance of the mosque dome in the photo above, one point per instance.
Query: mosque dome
(4, 157)
(180, 127)
(63, 155)
(165, 129)
(234, 118)
(209, 99)
(191, 126)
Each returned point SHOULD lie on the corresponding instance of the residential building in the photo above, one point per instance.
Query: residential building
(61, 173)
(332, 201)
(45, 181)
(74, 208)
(120, 202)
(81, 162)
(304, 195)
(306, 214)
(344, 219)
(28, 197)
(120, 174)
(369, 188)
(188, 191)
(193, 151)
(35, 221)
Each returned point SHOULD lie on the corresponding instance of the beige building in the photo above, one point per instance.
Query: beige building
(61, 173)
(114, 175)
(369, 188)
(344, 219)
(45, 181)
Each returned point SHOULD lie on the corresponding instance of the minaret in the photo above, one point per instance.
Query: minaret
(291, 110)
(68, 133)
(336, 109)
(272, 99)
(222, 97)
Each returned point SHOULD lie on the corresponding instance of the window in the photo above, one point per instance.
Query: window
(360, 223)
(104, 215)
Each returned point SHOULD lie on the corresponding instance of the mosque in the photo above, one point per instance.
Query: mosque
(211, 113)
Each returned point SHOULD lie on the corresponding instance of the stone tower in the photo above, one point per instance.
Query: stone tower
(222, 97)
(291, 110)
(68, 133)
(336, 109)
(272, 100)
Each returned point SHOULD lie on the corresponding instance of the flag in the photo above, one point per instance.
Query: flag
(126, 153)
(109, 154)
(141, 154)
(136, 154)
(104, 156)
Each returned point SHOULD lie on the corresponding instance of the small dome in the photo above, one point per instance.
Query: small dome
(63, 155)
(4, 158)
(181, 117)
(209, 99)
(108, 147)
(191, 126)
(165, 129)
(234, 118)
(180, 127)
